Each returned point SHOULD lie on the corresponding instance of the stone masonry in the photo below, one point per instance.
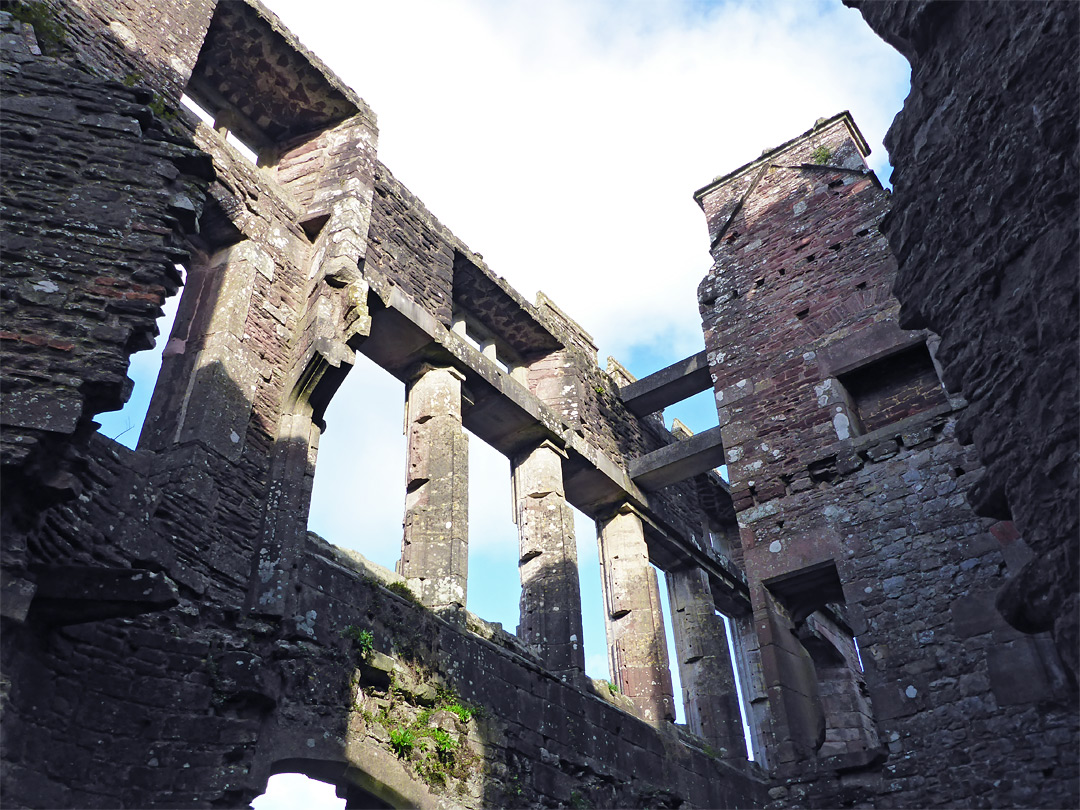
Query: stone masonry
(987, 259)
(172, 635)
(870, 577)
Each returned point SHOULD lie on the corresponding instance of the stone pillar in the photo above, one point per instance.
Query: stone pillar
(435, 546)
(708, 682)
(550, 591)
(634, 617)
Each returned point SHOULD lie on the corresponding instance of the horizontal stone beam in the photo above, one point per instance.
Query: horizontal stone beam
(679, 461)
(667, 386)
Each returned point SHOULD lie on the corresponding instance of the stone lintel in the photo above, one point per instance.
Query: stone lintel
(678, 461)
(509, 418)
(422, 368)
(669, 385)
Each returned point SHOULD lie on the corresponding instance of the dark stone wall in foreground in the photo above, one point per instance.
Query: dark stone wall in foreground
(984, 226)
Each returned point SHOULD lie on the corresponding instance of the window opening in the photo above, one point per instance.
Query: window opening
(288, 791)
(597, 661)
(363, 423)
(484, 342)
(672, 654)
(494, 584)
(892, 388)
(845, 702)
(197, 108)
(740, 689)
(215, 123)
(250, 154)
(125, 425)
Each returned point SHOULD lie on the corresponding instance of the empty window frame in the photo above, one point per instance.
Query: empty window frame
(892, 388)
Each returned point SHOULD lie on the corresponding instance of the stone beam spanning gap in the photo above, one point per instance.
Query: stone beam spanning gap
(679, 461)
(667, 386)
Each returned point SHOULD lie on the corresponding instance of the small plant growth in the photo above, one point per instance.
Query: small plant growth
(402, 741)
(821, 155)
(402, 590)
(435, 752)
(448, 699)
(363, 639)
(613, 688)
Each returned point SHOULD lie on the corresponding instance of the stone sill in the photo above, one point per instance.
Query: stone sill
(861, 446)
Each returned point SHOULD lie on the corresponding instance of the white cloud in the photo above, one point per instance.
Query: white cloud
(564, 140)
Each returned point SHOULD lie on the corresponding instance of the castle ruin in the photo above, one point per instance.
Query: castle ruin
(895, 548)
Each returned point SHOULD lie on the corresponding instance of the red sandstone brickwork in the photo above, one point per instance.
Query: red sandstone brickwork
(802, 261)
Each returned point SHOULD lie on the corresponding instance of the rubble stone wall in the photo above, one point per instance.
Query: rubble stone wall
(987, 252)
(89, 247)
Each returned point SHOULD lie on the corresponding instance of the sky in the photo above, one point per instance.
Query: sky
(563, 141)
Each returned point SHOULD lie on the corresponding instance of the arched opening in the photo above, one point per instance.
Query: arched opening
(288, 791)
(322, 785)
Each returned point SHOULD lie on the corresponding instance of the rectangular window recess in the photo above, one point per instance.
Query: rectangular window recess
(894, 387)
(483, 341)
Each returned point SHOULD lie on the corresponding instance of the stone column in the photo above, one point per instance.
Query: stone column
(634, 617)
(708, 682)
(550, 590)
(435, 545)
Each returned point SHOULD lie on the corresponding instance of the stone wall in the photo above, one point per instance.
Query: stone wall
(171, 636)
(198, 704)
(987, 251)
(90, 244)
(850, 486)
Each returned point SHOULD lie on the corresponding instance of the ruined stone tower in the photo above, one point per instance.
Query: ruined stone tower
(872, 581)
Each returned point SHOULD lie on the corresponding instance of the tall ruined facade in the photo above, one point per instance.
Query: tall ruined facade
(172, 635)
(872, 580)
